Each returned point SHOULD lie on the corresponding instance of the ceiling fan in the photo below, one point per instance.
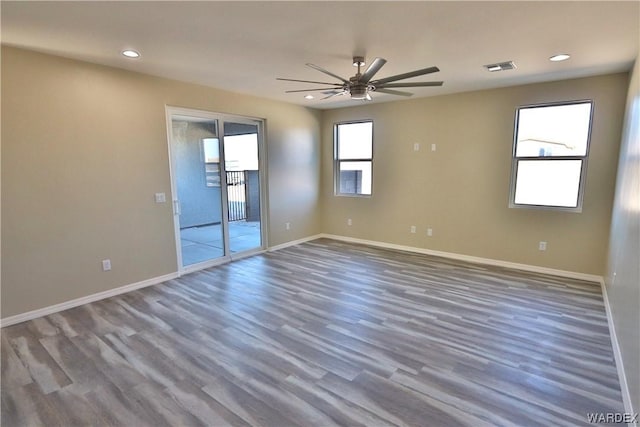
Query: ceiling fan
(361, 85)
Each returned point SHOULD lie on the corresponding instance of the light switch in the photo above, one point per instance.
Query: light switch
(161, 198)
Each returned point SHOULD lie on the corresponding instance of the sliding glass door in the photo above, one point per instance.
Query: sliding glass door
(242, 168)
(216, 185)
(198, 197)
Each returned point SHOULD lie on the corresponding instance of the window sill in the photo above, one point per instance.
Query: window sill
(357, 196)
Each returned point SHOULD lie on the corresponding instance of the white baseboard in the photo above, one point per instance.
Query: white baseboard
(12, 320)
(624, 386)
(45, 311)
(29, 315)
(473, 259)
(295, 242)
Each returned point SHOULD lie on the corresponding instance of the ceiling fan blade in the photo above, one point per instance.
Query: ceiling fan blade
(308, 90)
(372, 69)
(407, 75)
(335, 94)
(416, 84)
(394, 92)
(308, 81)
(322, 70)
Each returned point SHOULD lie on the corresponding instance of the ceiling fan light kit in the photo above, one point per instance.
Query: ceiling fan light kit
(361, 86)
(359, 91)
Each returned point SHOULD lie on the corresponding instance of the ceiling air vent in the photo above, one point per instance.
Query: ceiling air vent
(501, 66)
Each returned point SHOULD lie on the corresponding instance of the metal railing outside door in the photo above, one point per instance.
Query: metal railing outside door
(237, 195)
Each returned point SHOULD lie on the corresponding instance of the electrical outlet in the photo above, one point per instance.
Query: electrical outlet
(429, 232)
(349, 222)
(542, 246)
(287, 226)
(161, 198)
(106, 264)
(433, 147)
(416, 146)
(413, 229)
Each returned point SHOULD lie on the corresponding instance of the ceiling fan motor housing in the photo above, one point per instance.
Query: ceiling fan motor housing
(358, 91)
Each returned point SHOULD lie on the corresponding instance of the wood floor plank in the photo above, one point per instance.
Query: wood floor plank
(24, 406)
(413, 408)
(108, 361)
(244, 404)
(81, 370)
(341, 410)
(78, 411)
(320, 334)
(120, 408)
(209, 411)
(41, 366)
(157, 401)
(14, 373)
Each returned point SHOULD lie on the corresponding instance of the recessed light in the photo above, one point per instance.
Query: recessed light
(308, 97)
(560, 57)
(131, 53)
(494, 68)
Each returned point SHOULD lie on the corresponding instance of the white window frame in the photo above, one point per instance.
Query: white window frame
(337, 160)
(584, 159)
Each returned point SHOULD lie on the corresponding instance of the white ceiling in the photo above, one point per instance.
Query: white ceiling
(243, 46)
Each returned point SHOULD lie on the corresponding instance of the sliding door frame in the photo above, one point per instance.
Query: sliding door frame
(221, 118)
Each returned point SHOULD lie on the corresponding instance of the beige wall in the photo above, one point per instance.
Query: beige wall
(461, 190)
(623, 289)
(84, 149)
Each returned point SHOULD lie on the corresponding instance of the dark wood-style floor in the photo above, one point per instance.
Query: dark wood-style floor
(321, 334)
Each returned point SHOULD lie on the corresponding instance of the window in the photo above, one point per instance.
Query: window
(211, 161)
(353, 152)
(550, 151)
